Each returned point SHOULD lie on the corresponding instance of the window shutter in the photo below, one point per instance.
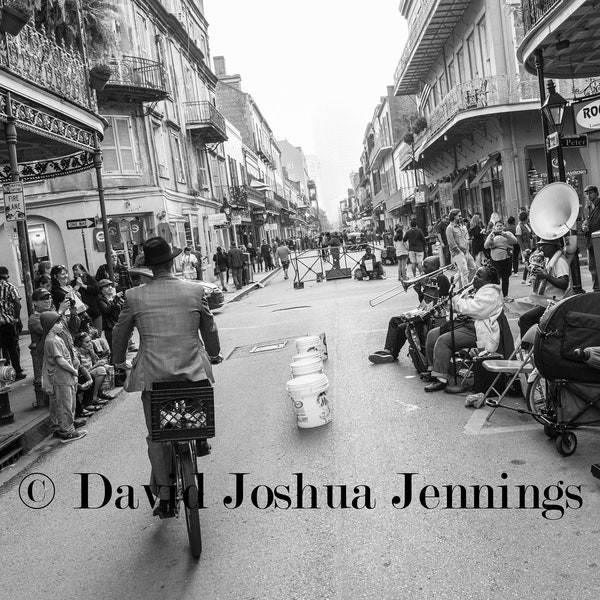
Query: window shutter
(110, 161)
(125, 145)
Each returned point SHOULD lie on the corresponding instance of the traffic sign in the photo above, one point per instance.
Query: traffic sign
(80, 223)
(14, 201)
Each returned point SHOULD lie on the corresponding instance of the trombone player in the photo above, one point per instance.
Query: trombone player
(434, 287)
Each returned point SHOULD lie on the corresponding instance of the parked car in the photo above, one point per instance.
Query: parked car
(214, 294)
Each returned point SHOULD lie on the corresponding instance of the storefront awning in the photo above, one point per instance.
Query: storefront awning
(489, 163)
(574, 164)
(394, 201)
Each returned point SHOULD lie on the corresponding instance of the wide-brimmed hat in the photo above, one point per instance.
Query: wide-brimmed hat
(47, 320)
(157, 251)
(104, 282)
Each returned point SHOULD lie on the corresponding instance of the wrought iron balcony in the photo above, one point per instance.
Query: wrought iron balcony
(480, 94)
(40, 61)
(535, 10)
(561, 29)
(136, 79)
(429, 30)
(205, 123)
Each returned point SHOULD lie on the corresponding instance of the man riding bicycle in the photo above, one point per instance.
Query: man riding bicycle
(168, 314)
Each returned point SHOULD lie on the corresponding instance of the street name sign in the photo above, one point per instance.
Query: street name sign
(81, 223)
(14, 201)
(574, 141)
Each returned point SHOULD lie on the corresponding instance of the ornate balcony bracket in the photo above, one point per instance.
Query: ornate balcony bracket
(48, 169)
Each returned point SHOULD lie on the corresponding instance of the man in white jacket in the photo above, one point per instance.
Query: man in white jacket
(483, 305)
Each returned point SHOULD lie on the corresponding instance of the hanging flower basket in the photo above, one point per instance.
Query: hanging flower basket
(15, 15)
(99, 76)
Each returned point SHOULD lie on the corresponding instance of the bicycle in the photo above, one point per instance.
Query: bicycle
(182, 412)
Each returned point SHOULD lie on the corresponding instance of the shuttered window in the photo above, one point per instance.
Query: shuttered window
(117, 146)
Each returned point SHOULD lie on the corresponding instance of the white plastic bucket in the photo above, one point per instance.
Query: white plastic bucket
(306, 366)
(309, 396)
(305, 355)
(309, 343)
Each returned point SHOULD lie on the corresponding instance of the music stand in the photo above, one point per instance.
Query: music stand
(456, 388)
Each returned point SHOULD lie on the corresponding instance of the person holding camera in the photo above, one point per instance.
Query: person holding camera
(500, 243)
(109, 303)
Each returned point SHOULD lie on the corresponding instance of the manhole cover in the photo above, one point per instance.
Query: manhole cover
(257, 349)
(268, 347)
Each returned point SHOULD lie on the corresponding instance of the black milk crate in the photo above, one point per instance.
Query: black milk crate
(182, 411)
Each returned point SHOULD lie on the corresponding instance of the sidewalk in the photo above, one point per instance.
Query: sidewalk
(31, 424)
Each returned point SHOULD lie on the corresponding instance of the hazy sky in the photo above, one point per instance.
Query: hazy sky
(316, 69)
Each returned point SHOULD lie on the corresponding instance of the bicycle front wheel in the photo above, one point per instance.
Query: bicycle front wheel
(186, 467)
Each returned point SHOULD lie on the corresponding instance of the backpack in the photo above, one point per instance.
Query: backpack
(571, 323)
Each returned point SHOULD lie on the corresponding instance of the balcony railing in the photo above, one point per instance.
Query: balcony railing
(137, 78)
(415, 32)
(205, 122)
(482, 93)
(39, 60)
(535, 10)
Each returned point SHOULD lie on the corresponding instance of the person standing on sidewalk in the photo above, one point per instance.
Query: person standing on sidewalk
(10, 309)
(401, 252)
(221, 265)
(516, 252)
(591, 225)
(236, 264)
(283, 254)
(60, 373)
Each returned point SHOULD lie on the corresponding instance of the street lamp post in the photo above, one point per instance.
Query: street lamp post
(553, 110)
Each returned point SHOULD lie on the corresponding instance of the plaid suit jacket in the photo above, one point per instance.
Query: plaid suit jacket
(169, 314)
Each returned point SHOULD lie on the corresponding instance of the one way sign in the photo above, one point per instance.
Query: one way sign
(80, 223)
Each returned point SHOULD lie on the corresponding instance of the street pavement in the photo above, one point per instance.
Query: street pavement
(383, 426)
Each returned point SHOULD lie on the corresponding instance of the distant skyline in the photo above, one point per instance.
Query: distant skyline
(316, 70)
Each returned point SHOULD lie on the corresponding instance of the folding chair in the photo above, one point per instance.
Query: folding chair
(519, 363)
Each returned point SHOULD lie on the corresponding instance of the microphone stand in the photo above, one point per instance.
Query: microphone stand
(456, 388)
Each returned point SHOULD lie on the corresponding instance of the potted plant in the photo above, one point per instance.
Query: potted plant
(15, 15)
(99, 76)
(408, 138)
(420, 125)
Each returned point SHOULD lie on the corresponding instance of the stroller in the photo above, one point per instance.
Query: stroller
(572, 385)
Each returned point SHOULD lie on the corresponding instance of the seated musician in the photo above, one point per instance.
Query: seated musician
(550, 281)
(433, 288)
(362, 270)
(479, 308)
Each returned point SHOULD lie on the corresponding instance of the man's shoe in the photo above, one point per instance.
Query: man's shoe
(20, 376)
(427, 376)
(103, 396)
(163, 509)
(203, 448)
(437, 386)
(77, 423)
(71, 437)
(84, 413)
(379, 358)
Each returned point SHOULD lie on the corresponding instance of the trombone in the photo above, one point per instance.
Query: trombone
(405, 284)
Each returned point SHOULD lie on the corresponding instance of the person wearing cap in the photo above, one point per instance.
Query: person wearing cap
(10, 310)
(168, 314)
(60, 374)
(550, 282)
(589, 226)
(433, 288)
(458, 243)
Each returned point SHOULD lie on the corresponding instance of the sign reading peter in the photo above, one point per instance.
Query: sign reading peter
(587, 115)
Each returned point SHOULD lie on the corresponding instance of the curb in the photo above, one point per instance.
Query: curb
(253, 286)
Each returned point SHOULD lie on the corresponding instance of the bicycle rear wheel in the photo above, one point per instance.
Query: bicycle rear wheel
(186, 468)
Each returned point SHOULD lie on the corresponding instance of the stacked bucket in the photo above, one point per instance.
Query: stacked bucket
(309, 385)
